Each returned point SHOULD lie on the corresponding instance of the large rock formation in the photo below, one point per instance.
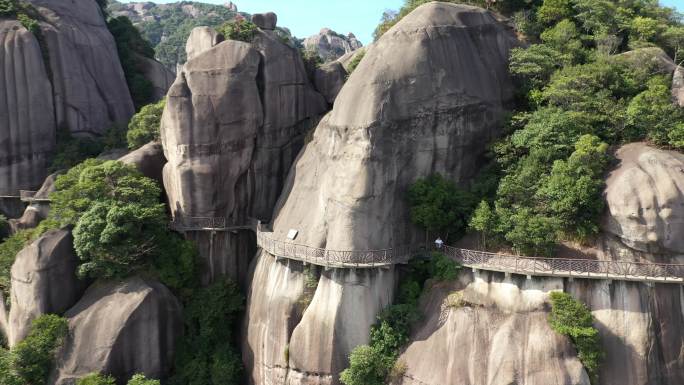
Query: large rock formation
(300, 326)
(420, 102)
(120, 328)
(329, 80)
(645, 199)
(90, 91)
(160, 76)
(330, 45)
(483, 330)
(148, 159)
(27, 120)
(234, 121)
(43, 281)
(641, 330)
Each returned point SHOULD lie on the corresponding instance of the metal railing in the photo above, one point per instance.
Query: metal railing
(557, 267)
(337, 258)
(184, 224)
(561, 267)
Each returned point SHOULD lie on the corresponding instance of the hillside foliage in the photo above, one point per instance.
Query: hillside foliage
(30, 361)
(144, 127)
(169, 25)
(579, 93)
(572, 318)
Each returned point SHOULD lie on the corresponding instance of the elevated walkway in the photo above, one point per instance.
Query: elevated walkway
(474, 259)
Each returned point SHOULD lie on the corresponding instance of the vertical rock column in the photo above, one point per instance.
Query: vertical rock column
(27, 121)
(208, 131)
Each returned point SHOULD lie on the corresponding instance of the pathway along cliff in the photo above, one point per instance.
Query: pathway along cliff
(475, 259)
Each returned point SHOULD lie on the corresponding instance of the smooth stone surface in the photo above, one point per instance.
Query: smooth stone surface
(43, 281)
(120, 328)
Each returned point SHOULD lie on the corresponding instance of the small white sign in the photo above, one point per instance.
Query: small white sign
(292, 234)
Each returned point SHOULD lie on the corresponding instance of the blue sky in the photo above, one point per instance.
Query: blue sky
(307, 17)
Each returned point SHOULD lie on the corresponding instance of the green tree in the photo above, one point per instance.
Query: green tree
(29, 362)
(555, 10)
(572, 318)
(96, 379)
(145, 125)
(132, 49)
(570, 193)
(205, 356)
(8, 8)
(483, 221)
(437, 205)
(120, 225)
(652, 113)
(367, 366)
(140, 379)
(239, 29)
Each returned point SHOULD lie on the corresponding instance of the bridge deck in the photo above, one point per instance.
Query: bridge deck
(513, 264)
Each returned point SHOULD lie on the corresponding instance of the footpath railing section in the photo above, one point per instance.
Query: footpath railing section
(560, 267)
(557, 267)
(185, 224)
(337, 258)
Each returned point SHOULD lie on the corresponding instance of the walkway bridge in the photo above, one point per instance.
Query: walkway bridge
(477, 260)
(26, 196)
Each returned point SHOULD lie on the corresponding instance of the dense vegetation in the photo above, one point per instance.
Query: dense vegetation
(572, 318)
(29, 362)
(23, 12)
(375, 363)
(120, 227)
(356, 61)
(206, 355)
(145, 125)
(578, 96)
(133, 49)
(439, 207)
(101, 379)
(169, 27)
(239, 29)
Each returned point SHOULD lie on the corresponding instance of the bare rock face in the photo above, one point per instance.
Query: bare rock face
(160, 76)
(265, 21)
(234, 121)
(27, 124)
(645, 200)
(678, 86)
(293, 340)
(201, 39)
(148, 159)
(90, 91)
(273, 311)
(427, 98)
(120, 328)
(483, 330)
(329, 79)
(331, 45)
(641, 330)
(407, 111)
(43, 281)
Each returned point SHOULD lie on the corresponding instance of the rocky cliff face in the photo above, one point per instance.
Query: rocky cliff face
(331, 45)
(120, 328)
(644, 197)
(72, 80)
(43, 281)
(489, 330)
(407, 111)
(234, 121)
(27, 119)
(300, 326)
(418, 103)
(90, 92)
